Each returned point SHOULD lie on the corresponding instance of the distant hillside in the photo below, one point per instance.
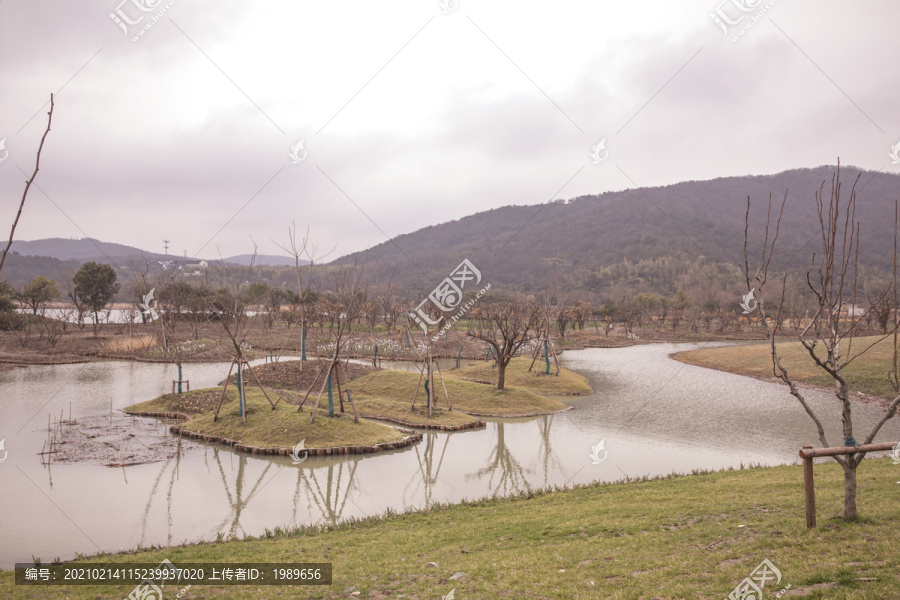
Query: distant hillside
(648, 238)
(270, 260)
(59, 259)
(83, 250)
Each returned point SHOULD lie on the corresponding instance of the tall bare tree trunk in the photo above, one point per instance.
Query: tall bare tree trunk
(850, 489)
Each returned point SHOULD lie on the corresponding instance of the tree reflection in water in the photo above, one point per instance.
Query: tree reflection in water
(338, 478)
(174, 462)
(428, 473)
(545, 457)
(505, 475)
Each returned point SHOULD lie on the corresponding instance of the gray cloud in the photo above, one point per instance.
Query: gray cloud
(151, 140)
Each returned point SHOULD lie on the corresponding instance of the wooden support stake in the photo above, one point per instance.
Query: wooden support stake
(431, 382)
(809, 488)
(259, 383)
(355, 417)
(300, 406)
(337, 378)
(312, 417)
(808, 453)
(446, 395)
(418, 385)
(222, 398)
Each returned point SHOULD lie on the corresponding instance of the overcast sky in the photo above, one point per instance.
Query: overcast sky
(414, 113)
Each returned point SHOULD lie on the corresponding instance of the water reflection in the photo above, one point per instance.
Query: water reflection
(237, 499)
(422, 481)
(549, 462)
(325, 490)
(503, 473)
(658, 416)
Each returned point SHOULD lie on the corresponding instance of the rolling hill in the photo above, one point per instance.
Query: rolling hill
(657, 239)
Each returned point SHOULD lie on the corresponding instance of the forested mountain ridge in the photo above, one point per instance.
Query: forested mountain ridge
(655, 239)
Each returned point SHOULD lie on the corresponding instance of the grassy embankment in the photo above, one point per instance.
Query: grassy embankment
(867, 374)
(383, 393)
(679, 537)
(267, 428)
(568, 382)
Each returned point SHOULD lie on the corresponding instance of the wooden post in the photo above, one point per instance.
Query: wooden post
(416, 395)
(315, 380)
(808, 453)
(259, 383)
(355, 417)
(446, 395)
(431, 397)
(337, 379)
(312, 417)
(222, 397)
(809, 488)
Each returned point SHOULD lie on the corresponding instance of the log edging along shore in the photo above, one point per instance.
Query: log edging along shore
(411, 438)
(39, 363)
(522, 416)
(532, 391)
(473, 425)
(186, 359)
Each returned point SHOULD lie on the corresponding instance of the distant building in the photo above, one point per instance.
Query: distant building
(852, 310)
(196, 265)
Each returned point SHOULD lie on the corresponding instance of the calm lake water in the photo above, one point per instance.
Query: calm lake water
(655, 414)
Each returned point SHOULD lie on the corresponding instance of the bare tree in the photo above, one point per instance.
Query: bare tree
(37, 164)
(828, 336)
(504, 325)
(347, 305)
(297, 249)
(228, 307)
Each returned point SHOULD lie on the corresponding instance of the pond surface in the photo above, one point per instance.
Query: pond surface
(655, 414)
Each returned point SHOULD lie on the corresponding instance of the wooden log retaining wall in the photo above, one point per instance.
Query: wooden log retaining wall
(411, 438)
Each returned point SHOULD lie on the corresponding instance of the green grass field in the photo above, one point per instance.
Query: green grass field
(396, 388)
(867, 374)
(679, 537)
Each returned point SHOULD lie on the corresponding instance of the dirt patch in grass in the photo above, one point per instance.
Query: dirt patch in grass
(190, 403)
(298, 376)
